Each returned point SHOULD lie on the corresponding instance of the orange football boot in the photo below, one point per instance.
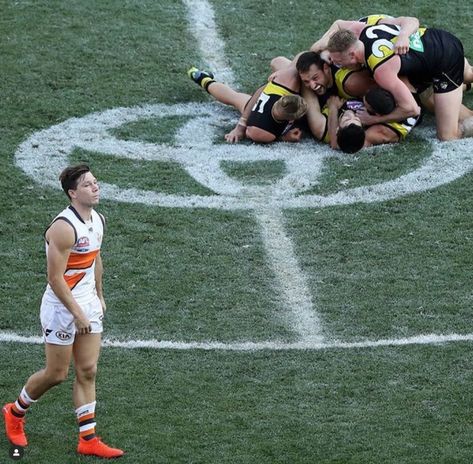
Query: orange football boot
(14, 427)
(96, 447)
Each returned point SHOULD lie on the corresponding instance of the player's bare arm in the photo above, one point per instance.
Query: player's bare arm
(239, 131)
(315, 119)
(409, 26)
(321, 44)
(61, 238)
(379, 134)
(334, 105)
(387, 78)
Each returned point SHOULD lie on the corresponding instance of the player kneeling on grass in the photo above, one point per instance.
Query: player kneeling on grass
(72, 311)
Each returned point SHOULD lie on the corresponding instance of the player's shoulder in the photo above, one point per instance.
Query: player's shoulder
(373, 20)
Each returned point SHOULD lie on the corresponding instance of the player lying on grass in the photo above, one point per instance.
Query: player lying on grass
(267, 115)
(322, 81)
(338, 124)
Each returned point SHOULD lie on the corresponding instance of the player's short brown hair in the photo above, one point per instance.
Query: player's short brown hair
(341, 41)
(70, 176)
(292, 107)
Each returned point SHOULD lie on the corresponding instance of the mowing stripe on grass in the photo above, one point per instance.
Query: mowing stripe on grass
(430, 339)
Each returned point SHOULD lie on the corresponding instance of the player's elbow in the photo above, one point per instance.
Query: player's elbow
(411, 110)
(414, 22)
(279, 62)
(55, 281)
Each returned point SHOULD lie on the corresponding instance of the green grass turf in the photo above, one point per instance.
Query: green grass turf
(392, 269)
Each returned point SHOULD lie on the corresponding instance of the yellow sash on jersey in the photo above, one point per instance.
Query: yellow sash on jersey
(273, 88)
(372, 20)
(340, 76)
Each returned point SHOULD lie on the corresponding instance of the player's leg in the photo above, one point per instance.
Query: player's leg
(201, 77)
(86, 350)
(468, 73)
(465, 113)
(86, 356)
(58, 359)
(220, 91)
(447, 113)
(226, 95)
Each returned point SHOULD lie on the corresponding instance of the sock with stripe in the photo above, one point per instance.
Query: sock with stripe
(21, 405)
(203, 78)
(86, 419)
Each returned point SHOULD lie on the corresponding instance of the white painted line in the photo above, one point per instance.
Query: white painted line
(44, 154)
(201, 20)
(430, 339)
(301, 315)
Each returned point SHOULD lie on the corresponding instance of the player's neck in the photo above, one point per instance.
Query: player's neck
(360, 52)
(85, 212)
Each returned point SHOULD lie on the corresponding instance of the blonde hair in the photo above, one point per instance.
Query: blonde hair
(341, 41)
(291, 107)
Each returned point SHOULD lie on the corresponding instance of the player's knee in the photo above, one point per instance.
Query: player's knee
(86, 373)
(446, 135)
(57, 375)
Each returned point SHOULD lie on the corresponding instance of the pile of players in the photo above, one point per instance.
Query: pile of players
(363, 83)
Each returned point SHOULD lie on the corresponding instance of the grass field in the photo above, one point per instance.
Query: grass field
(293, 305)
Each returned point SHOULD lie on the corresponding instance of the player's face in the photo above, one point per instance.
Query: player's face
(348, 117)
(317, 79)
(87, 191)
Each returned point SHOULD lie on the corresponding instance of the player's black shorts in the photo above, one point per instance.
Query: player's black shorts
(441, 64)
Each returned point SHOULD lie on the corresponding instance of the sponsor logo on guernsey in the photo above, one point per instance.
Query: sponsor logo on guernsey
(63, 335)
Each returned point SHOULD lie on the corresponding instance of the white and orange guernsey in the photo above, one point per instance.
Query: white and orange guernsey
(80, 269)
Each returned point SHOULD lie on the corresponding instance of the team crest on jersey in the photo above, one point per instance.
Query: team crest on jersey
(415, 42)
(83, 242)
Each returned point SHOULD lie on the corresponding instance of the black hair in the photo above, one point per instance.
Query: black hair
(380, 100)
(351, 138)
(307, 59)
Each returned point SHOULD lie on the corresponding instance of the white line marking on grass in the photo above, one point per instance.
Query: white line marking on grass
(430, 339)
(45, 153)
(201, 19)
(292, 282)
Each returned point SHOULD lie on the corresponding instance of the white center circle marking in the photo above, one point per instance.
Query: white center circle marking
(43, 155)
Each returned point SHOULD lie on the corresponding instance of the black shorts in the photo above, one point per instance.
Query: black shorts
(441, 64)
